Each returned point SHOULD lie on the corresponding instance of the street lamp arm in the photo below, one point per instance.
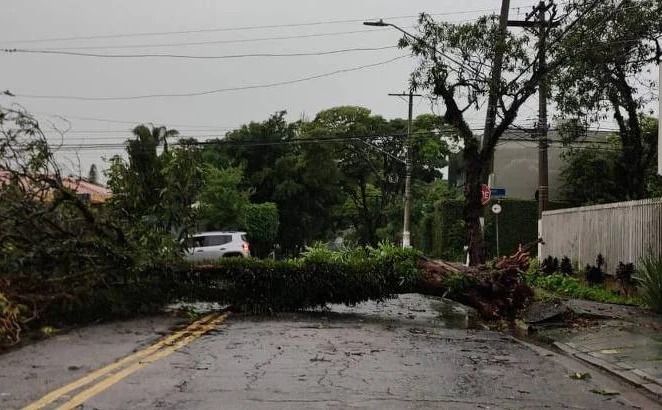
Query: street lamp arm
(433, 49)
(382, 23)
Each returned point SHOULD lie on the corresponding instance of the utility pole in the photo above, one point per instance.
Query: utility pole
(539, 12)
(406, 232)
(543, 169)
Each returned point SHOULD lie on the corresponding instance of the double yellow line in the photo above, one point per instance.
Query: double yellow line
(128, 365)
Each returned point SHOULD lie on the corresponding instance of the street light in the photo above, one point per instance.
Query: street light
(382, 23)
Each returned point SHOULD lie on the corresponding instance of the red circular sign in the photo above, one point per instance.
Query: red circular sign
(485, 194)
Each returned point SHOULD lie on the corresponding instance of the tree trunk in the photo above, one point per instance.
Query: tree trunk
(473, 207)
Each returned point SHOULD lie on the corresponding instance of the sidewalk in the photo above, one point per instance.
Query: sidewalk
(624, 341)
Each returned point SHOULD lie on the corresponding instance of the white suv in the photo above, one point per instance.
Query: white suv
(213, 245)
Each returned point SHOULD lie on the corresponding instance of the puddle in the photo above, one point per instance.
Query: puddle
(454, 315)
(415, 309)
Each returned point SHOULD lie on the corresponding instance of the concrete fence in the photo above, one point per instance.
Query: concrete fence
(621, 232)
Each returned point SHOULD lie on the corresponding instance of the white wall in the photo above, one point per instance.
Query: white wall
(621, 232)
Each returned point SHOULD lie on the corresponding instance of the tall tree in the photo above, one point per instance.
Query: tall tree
(610, 76)
(455, 65)
(301, 179)
(596, 174)
(157, 189)
(370, 155)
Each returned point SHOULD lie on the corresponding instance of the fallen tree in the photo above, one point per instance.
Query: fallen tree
(497, 290)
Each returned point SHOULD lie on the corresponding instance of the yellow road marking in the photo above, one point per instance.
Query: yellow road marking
(90, 377)
(90, 392)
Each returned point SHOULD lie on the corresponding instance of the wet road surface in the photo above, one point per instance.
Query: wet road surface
(387, 356)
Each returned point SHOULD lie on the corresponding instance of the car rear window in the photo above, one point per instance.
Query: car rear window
(215, 240)
(243, 238)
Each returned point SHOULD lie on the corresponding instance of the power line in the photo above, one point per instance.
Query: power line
(133, 123)
(208, 92)
(228, 29)
(233, 41)
(220, 140)
(198, 57)
(210, 42)
(129, 130)
(230, 143)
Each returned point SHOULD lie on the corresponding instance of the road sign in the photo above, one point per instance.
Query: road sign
(498, 192)
(486, 195)
(496, 208)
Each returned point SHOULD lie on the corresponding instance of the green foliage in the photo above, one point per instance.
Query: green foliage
(571, 287)
(566, 267)
(261, 223)
(649, 281)
(63, 260)
(156, 192)
(625, 274)
(594, 274)
(11, 317)
(598, 173)
(457, 284)
(549, 265)
(589, 176)
(302, 180)
(606, 71)
(222, 201)
(446, 231)
(319, 277)
(518, 224)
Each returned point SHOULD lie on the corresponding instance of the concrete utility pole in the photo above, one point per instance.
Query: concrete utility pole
(543, 169)
(406, 231)
(541, 23)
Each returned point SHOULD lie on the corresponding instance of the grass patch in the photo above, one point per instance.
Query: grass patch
(570, 287)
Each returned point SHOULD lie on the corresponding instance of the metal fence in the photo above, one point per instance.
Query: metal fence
(621, 232)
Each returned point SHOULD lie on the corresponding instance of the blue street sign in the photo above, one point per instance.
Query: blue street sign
(498, 192)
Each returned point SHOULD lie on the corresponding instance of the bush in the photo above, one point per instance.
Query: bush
(261, 221)
(573, 288)
(649, 280)
(566, 267)
(625, 274)
(594, 274)
(549, 265)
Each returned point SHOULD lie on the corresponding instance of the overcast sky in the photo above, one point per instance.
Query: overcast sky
(44, 75)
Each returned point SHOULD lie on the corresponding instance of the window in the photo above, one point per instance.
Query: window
(216, 240)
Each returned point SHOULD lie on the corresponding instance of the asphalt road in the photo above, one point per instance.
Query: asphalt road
(389, 356)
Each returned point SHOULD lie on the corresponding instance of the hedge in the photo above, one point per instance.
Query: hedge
(319, 278)
(445, 235)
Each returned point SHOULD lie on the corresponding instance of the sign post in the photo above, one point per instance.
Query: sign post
(496, 209)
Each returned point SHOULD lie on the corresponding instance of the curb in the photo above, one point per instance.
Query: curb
(624, 371)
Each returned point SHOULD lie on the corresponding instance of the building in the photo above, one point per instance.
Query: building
(89, 192)
(516, 163)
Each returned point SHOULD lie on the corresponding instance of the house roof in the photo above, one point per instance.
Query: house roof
(97, 193)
